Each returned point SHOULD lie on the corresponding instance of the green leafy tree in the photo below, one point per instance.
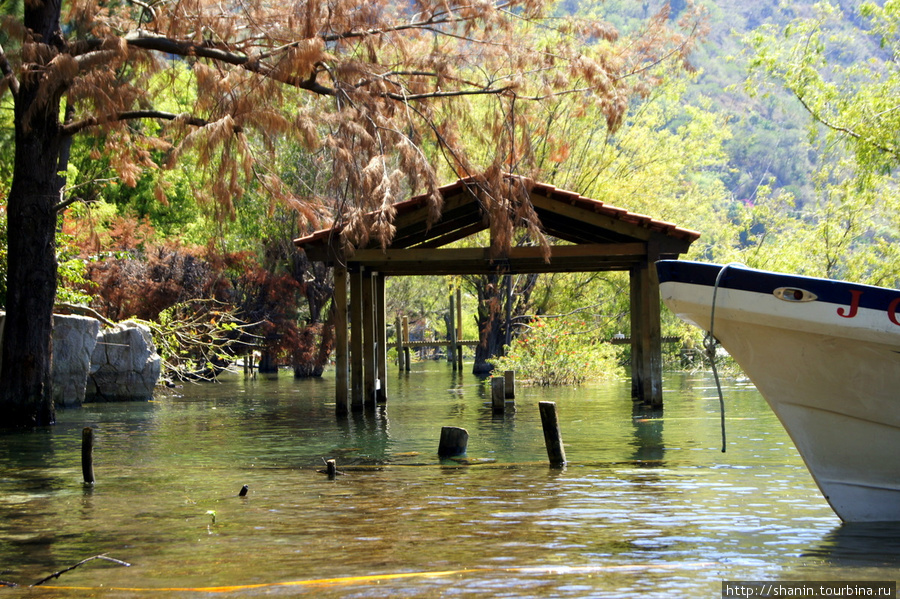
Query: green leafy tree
(851, 229)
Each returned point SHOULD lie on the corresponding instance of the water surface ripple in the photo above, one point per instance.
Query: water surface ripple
(648, 505)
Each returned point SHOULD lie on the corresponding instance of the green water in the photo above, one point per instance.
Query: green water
(648, 505)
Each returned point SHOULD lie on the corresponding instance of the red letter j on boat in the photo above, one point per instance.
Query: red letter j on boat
(854, 305)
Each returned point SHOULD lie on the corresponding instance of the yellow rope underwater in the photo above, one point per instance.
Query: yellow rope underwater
(347, 580)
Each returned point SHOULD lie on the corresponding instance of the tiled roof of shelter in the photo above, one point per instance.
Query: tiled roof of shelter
(456, 215)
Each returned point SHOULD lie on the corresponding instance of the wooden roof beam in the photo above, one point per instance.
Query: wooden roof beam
(569, 258)
(458, 219)
(591, 217)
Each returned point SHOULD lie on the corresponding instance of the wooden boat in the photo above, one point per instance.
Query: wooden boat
(825, 355)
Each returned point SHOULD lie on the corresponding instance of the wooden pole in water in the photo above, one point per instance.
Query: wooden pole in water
(370, 369)
(341, 344)
(451, 352)
(356, 341)
(498, 394)
(509, 378)
(453, 441)
(400, 355)
(87, 455)
(244, 490)
(406, 357)
(552, 435)
(331, 469)
(459, 328)
(380, 340)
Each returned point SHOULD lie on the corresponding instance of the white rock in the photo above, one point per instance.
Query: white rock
(125, 365)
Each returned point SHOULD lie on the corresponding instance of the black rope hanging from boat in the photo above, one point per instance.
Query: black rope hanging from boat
(709, 344)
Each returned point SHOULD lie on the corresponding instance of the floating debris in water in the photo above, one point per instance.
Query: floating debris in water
(473, 461)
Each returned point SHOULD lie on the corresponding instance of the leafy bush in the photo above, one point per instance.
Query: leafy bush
(559, 351)
(198, 339)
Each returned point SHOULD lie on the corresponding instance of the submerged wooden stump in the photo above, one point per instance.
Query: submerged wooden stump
(87, 455)
(498, 394)
(453, 441)
(552, 435)
(509, 380)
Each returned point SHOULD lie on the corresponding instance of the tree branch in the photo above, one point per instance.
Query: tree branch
(485, 91)
(147, 9)
(84, 561)
(85, 311)
(132, 115)
(147, 41)
(66, 203)
(840, 129)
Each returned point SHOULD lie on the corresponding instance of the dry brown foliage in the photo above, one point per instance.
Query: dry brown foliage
(389, 90)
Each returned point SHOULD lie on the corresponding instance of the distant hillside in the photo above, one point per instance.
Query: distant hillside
(770, 144)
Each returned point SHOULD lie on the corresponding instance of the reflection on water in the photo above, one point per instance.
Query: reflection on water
(861, 544)
(647, 504)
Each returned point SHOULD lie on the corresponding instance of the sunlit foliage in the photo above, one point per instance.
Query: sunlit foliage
(560, 351)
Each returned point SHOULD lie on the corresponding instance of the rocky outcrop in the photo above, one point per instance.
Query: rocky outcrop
(74, 340)
(118, 363)
(124, 366)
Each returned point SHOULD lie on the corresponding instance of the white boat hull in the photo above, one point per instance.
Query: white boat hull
(830, 371)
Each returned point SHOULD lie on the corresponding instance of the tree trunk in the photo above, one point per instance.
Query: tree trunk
(495, 322)
(490, 323)
(318, 288)
(491, 345)
(25, 395)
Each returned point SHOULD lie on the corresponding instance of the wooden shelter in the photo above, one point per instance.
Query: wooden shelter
(587, 236)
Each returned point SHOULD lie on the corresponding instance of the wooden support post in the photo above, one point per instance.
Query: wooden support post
(459, 328)
(453, 441)
(356, 341)
(552, 435)
(646, 336)
(507, 340)
(406, 356)
(451, 328)
(341, 345)
(370, 374)
(498, 394)
(509, 382)
(380, 340)
(331, 469)
(400, 353)
(636, 331)
(87, 455)
(244, 490)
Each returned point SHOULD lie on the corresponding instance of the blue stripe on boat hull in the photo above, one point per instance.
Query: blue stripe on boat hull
(826, 290)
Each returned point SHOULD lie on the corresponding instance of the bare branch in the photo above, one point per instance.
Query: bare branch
(148, 41)
(66, 203)
(846, 131)
(485, 91)
(85, 311)
(132, 115)
(84, 561)
(147, 9)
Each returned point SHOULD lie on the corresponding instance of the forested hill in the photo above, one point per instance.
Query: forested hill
(770, 143)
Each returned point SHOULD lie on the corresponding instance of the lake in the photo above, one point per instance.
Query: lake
(648, 505)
